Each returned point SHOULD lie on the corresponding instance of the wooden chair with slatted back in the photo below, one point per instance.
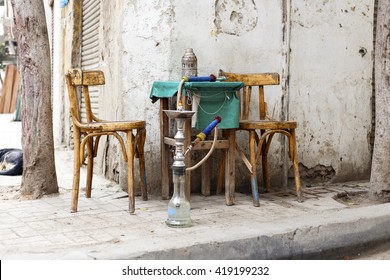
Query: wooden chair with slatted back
(87, 134)
(262, 130)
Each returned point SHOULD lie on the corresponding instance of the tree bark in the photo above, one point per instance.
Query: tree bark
(39, 174)
(380, 169)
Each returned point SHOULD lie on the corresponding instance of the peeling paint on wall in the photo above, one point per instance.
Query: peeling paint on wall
(235, 17)
(317, 174)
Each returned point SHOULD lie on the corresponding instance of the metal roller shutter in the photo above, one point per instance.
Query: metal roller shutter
(90, 48)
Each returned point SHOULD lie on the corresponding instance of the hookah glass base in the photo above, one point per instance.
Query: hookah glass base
(179, 207)
(178, 216)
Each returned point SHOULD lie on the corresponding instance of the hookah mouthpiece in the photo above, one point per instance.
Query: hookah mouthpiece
(202, 135)
(209, 128)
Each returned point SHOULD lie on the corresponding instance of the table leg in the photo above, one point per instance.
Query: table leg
(187, 141)
(187, 160)
(206, 175)
(164, 131)
(230, 169)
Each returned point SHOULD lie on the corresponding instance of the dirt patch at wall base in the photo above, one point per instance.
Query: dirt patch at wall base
(356, 199)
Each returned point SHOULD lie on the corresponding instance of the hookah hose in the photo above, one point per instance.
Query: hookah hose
(179, 103)
(202, 136)
(211, 78)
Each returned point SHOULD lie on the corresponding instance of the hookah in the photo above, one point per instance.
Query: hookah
(179, 207)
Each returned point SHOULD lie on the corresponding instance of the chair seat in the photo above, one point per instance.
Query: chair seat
(109, 126)
(266, 124)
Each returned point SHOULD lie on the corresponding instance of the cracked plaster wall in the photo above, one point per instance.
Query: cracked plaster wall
(330, 85)
(155, 34)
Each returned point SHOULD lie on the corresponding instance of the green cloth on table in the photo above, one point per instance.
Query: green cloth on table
(164, 89)
(216, 99)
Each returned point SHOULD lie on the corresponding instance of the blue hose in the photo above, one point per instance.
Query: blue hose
(210, 78)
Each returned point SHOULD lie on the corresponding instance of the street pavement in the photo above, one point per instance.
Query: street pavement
(321, 227)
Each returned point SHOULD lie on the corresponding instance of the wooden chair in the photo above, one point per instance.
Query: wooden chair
(87, 133)
(262, 130)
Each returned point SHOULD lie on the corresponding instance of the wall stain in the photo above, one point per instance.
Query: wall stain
(235, 17)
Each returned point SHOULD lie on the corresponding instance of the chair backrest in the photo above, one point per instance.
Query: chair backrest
(78, 80)
(251, 81)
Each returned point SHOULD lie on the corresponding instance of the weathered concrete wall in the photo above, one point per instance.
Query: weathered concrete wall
(328, 70)
(155, 35)
(330, 87)
(68, 24)
(111, 99)
(58, 84)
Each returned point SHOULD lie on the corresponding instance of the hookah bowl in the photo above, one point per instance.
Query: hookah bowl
(179, 206)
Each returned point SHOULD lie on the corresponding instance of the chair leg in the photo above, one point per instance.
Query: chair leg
(76, 171)
(164, 131)
(296, 167)
(264, 165)
(130, 170)
(141, 160)
(88, 187)
(252, 151)
(221, 173)
(230, 169)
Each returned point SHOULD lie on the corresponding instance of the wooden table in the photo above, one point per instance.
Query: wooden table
(213, 97)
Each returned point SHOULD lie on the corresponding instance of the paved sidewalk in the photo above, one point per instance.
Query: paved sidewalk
(281, 228)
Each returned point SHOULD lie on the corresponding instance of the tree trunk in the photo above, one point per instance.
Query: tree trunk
(380, 170)
(39, 174)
